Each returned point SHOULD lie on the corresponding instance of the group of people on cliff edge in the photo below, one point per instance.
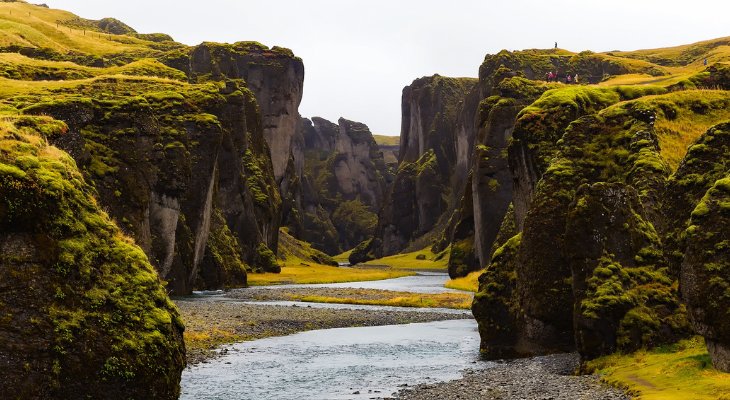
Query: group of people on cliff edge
(550, 77)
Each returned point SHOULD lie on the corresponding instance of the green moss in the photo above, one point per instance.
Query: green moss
(96, 285)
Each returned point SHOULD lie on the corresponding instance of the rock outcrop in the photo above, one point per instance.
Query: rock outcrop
(344, 184)
(589, 271)
(276, 78)
(418, 199)
(700, 188)
(704, 272)
(82, 311)
(141, 152)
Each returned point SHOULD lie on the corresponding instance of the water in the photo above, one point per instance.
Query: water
(337, 363)
(424, 282)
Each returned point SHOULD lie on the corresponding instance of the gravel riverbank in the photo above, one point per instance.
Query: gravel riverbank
(211, 324)
(539, 378)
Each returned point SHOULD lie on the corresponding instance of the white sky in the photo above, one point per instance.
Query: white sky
(359, 54)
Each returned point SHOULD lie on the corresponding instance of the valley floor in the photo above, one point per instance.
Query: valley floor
(212, 324)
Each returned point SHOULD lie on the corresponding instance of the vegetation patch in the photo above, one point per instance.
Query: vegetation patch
(680, 371)
(469, 283)
(411, 261)
(298, 272)
(400, 299)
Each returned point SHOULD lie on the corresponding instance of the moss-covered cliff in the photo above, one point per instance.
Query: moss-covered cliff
(82, 311)
(344, 184)
(420, 196)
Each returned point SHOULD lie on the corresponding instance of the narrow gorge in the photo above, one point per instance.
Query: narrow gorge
(570, 226)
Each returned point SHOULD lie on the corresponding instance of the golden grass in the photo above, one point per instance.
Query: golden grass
(409, 261)
(677, 135)
(298, 272)
(343, 257)
(387, 140)
(469, 283)
(11, 87)
(39, 30)
(423, 300)
(682, 371)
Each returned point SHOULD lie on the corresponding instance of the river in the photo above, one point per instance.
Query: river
(345, 363)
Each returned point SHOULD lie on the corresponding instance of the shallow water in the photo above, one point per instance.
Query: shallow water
(424, 282)
(336, 363)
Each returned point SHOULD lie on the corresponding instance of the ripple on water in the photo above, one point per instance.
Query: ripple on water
(336, 363)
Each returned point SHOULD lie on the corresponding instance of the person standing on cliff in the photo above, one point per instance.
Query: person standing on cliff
(556, 45)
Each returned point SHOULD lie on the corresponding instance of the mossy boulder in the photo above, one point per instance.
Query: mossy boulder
(363, 252)
(705, 278)
(82, 311)
(625, 297)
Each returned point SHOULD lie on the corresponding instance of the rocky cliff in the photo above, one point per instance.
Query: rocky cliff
(596, 264)
(82, 311)
(141, 152)
(276, 78)
(344, 184)
(421, 193)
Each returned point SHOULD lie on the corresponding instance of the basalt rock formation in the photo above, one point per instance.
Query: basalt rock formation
(141, 152)
(82, 311)
(276, 78)
(704, 272)
(700, 245)
(344, 184)
(418, 199)
(589, 270)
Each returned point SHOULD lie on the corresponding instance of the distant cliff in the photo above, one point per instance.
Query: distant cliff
(419, 197)
(344, 184)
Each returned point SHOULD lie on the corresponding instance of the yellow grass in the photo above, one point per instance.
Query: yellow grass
(409, 261)
(297, 272)
(39, 30)
(682, 371)
(469, 283)
(677, 135)
(343, 257)
(441, 300)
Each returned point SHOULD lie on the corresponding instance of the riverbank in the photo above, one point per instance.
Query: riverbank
(539, 378)
(356, 296)
(210, 325)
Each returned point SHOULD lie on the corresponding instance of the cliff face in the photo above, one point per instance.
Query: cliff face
(167, 161)
(420, 194)
(577, 244)
(606, 240)
(344, 184)
(276, 78)
(84, 314)
(698, 246)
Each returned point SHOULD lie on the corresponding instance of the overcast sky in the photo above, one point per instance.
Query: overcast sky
(359, 54)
